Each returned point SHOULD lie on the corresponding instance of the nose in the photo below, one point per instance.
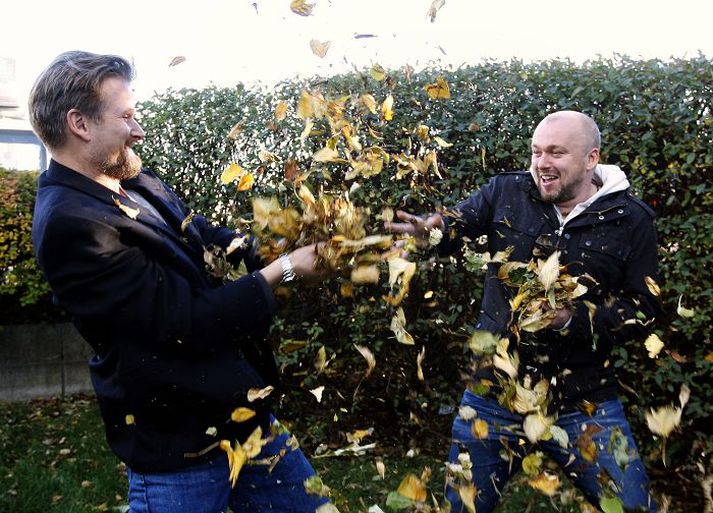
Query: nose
(137, 133)
(542, 162)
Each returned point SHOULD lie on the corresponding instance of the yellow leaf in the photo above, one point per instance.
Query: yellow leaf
(550, 271)
(369, 102)
(398, 326)
(663, 420)
(412, 488)
(467, 492)
(532, 463)
(709, 357)
(546, 483)
(301, 7)
(321, 361)
(131, 213)
(231, 173)
(652, 286)
(536, 425)
(419, 361)
(400, 270)
(241, 414)
(480, 429)
(653, 345)
(365, 274)
(483, 342)
(381, 468)
(259, 393)
(439, 90)
(211, 431)
(129, 419)
(187, 221)
(325, 154)
(246, 182)
(305, 107)
(369, 357)
(346, 289)
(387, 112)
(377, 73)
(684, 312)
(281, 110)
(307, 130)
(319, 48)
(442, 143)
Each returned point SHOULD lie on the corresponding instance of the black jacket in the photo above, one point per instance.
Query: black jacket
(175, 348)
(613, 240)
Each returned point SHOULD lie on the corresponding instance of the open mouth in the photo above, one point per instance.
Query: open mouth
(548, 179)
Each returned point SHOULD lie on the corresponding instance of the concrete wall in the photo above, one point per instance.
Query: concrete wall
(42, 360)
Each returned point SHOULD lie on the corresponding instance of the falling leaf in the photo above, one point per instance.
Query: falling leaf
(281, 110)
(467, 492)
(663, 420)
(319, 48)
(131, 213)
(325, 154)
(683, 395)
(211, 431)
(412, 488)
(377, 73)
(241, 414)
(235, 131)
(327, 507)
(231, 173)
(652, 286)
(187, 221)
(483, 342)
(315, 486)
(400, 271)
(611, 505)
(536, 425)
(365, 274)
(467, 412)
(317, 393)
(442, 143)
(546, 483)
(560, 436)
(381, 468)
(549, 272)
(589, 408)
(438, 90)
(129, 419)
(419, 361)
(435, 6)
(653, 345)
(259, 393)
(398, 326)
(291, 170)
(301, 7)
(387, 112)
(369, 357)
(176, 61)
(532, 463)
(369, 102)
(246, 182)
(321, 361)
(684, 312)
(435, 236)
(480, 429)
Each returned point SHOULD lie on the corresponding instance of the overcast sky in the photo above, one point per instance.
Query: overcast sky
(227, 41)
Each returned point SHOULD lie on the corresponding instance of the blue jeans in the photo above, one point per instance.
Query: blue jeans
(205, 488)
(491, 472)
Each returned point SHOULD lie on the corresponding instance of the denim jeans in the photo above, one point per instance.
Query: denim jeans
(491, 472)
(205, 488)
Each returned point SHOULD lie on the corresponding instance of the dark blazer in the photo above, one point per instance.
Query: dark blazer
(175, 347)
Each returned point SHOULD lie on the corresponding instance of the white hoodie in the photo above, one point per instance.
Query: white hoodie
(613, 180)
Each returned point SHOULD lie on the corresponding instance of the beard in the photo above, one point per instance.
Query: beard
(566, 193)
(125, 166)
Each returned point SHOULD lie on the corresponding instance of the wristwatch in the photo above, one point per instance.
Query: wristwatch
(288, 272)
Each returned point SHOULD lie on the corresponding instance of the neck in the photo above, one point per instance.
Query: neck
(83, 167)
(567, 206)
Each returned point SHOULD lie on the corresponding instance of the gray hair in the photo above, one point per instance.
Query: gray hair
(72, 81)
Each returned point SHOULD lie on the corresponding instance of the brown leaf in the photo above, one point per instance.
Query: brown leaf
(291, 170)
(177, 60)
(319, 48)
(131, 213)
(259, 393)
(301, 7)
(412, 488)
(281, 110)
(369, 357)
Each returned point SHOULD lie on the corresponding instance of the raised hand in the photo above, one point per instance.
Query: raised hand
(418, 226)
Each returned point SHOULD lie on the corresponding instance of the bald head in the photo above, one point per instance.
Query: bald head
(587, 130)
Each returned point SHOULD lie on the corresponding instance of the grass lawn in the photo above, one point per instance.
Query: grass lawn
(53, 458)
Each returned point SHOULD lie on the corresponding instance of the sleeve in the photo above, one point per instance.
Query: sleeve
(630, 311)
(121, 290)
(470, 218)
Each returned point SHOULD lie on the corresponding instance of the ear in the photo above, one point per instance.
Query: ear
(592, 159)
(77, 125)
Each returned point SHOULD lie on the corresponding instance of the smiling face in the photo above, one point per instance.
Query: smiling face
(115, 133)
(563, 158)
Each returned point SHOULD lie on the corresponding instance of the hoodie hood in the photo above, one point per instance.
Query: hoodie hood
(612, 179)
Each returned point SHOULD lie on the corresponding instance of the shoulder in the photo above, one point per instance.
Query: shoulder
(638, 205)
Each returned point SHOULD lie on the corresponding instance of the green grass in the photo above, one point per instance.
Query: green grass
(53, 458)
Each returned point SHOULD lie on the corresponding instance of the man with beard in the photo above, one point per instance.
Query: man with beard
(176, 349)
(570, 203)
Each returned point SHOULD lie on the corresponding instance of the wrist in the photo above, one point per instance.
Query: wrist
(288, 271)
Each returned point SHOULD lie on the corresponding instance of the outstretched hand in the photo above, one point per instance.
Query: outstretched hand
(418, 226)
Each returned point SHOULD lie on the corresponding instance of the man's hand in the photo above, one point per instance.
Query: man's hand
(417, 226)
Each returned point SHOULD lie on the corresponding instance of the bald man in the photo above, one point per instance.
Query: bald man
(566, 202)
